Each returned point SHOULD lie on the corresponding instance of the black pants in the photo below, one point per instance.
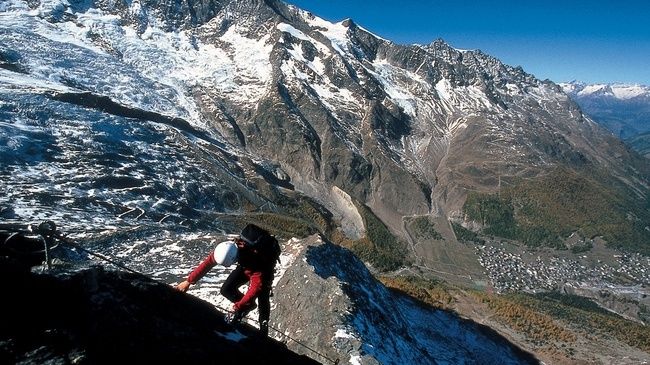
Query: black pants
(237, 278)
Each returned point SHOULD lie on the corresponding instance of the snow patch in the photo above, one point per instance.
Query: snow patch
(396, 83)
(13, 82)
(592, 89)
(234, 336)
(463, 97)
(13, 6)
(626, 92)
(343, 333)
(355, 360)
(250, 58)
(317, 66)
(337, 33)
(443, 87)
(284, 27)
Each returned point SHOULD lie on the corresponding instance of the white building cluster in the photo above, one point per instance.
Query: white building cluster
(510, 271)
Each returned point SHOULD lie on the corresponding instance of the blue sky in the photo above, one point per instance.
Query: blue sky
(591, 41)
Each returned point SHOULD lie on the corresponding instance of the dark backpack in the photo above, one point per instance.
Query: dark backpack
(262, 241)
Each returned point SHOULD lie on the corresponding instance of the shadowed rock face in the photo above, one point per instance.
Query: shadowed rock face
(98, 317)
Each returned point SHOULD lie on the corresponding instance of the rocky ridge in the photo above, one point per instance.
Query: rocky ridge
(356, 319)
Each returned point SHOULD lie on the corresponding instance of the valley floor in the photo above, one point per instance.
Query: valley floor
(565, 307)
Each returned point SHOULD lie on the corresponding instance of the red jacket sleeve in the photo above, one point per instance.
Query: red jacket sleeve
(202, 269)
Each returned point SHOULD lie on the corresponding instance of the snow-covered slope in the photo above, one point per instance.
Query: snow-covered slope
(99, 125)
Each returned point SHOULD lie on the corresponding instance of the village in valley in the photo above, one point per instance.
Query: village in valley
(513, 268)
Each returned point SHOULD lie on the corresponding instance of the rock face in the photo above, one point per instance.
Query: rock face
(239, 94)
(333, 303)
(98, 317)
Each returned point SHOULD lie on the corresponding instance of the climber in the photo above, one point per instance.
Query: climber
(256, 253)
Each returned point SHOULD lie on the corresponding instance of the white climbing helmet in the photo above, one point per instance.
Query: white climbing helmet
(226, 253)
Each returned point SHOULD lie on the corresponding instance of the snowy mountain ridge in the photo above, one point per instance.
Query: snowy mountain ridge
(619, 91)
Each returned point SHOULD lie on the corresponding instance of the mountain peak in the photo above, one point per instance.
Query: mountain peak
(620, 91)
(438, 42)
(348, 22)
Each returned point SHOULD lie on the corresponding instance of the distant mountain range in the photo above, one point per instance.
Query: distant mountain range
(613, 91)
(624, 109)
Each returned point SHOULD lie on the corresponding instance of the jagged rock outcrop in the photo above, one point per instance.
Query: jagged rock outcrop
(100, 317)
(330, 300)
